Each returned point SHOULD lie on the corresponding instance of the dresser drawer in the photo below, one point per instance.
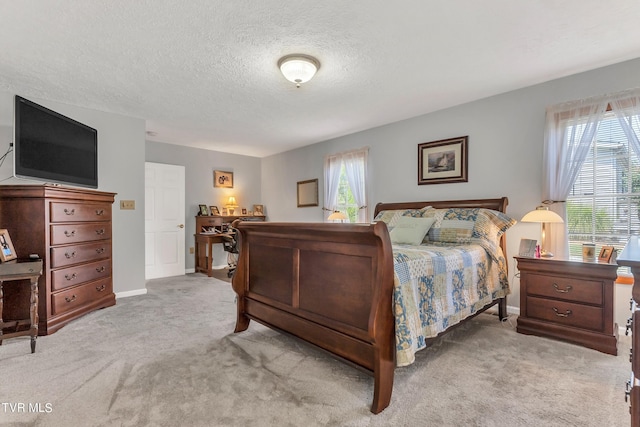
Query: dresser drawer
(566, 313)
(80, 295)
(74, 233)
(68, 255)
(70, 212)
(566, 288)
(73, 276)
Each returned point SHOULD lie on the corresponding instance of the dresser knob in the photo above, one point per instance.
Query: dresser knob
(70, 277)
(70, 234)
(567, 313)
(100, 269)
(99, 212)
(562, 291)
(70, 255)
(100, 232)
(100, 288)
(67, 299)
(629, 326)
(100, 250)
(631, 356)
(69, 211)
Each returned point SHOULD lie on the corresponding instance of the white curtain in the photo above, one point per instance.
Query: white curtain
(355, 163)
(332, 165)
(569, 131)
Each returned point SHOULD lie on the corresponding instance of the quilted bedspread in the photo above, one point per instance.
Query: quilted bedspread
(440, 284)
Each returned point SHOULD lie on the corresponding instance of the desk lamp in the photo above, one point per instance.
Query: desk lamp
(543, 215)
(231, 204)
(337, 215)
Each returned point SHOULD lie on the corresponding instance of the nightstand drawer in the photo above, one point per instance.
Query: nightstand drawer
(566, 313)
(566, 288)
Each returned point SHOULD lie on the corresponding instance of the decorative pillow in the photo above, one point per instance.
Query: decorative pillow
(391, 217)
(410, 230)
(459, 225)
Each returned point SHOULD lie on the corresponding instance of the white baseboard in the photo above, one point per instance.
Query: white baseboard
(133, 293)
(189, 270)
(511, 310)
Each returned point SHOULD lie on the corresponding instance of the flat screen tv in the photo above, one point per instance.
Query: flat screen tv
(53, 148)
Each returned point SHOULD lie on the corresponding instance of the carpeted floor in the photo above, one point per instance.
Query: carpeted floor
(169, 358)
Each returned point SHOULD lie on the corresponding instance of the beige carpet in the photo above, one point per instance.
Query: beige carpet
(169, 358)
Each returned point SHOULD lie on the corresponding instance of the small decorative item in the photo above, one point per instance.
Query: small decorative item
(203, 210)
(443, 161)
(223, 179)
(308, 193)
(588, 251)
(232, 204)
(258, 210)
(224, 211)
(244, 211)
(605, 254)
(7, 252)
(528, 248)
(213, 210)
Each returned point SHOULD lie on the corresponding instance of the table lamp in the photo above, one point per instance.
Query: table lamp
(543, 215)
(337, 215)
(231, 204)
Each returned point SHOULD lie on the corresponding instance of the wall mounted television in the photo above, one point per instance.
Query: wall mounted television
(53, 148)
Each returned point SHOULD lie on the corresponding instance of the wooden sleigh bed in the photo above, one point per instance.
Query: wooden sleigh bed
(332, 285)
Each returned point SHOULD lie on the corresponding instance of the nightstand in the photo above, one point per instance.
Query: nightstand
(569, 300)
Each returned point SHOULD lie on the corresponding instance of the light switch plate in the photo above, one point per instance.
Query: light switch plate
(127, 204)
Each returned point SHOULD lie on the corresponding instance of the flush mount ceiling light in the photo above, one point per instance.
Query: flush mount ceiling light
(298, 68)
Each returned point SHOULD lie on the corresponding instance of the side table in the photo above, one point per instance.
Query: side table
(570, 300)
(21, 270)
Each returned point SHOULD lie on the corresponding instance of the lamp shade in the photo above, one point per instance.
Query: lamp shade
(232, 202)
(542, 214)
(298, 68)
(337, 215)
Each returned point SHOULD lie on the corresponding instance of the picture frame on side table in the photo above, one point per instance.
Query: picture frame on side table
(213, 210)
(258, 210)
(605, 254)
(443, 161)
(222, 179)
(244, 211)
(7, 252)
(203, 211)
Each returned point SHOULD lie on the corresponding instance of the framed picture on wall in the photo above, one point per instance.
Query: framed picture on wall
(223, 179)
(308, 193)
(443, 161)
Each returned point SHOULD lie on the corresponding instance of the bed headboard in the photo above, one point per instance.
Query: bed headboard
(495, 204)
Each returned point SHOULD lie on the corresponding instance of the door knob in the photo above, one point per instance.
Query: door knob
(181, 226)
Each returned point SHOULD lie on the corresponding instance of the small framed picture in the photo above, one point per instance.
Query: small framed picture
(224, 211)
(223, 179)
(258, 210)
(443, 161)
(7, 253)
(203, 210)
(244, 211)
(605, 254)
(213, 210)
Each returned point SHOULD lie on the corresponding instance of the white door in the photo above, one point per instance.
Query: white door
(164, 220)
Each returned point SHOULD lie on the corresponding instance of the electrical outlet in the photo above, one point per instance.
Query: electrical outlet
(128, 204)
(192, 250)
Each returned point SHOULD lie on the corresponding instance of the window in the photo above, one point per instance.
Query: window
(345, 185)
(603, 204)
(592, 162)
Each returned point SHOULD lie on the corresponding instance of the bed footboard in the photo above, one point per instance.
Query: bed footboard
(328, 284)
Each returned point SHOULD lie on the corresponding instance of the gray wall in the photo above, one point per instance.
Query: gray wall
(199, 166)
(505, 154)
(120, 170)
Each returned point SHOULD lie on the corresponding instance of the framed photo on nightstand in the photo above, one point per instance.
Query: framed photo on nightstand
(605, 254)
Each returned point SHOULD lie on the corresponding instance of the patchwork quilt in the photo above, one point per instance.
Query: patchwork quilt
(438, 284)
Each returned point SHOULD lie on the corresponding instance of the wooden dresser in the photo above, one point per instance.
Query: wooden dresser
(569, 300)
(630, 257)
(70, 230)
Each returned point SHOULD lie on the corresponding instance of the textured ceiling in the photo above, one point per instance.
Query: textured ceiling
(203, 73)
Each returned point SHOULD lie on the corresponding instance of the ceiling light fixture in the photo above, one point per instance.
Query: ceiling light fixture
(298, 68)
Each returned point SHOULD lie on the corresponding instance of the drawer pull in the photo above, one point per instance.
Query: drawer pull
(70, 277)
(100, 269)
(565, 314)
(562, 291)
(100, 232)
(100, 250)
(70, 255)
(101, 288)
(73, 233)
(72, 299)
(69, 211)
(99, 212)
(629, 326)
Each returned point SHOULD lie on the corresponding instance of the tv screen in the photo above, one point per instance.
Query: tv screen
(52, 147)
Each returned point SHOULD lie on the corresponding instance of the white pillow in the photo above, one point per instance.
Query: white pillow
(410, 230)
